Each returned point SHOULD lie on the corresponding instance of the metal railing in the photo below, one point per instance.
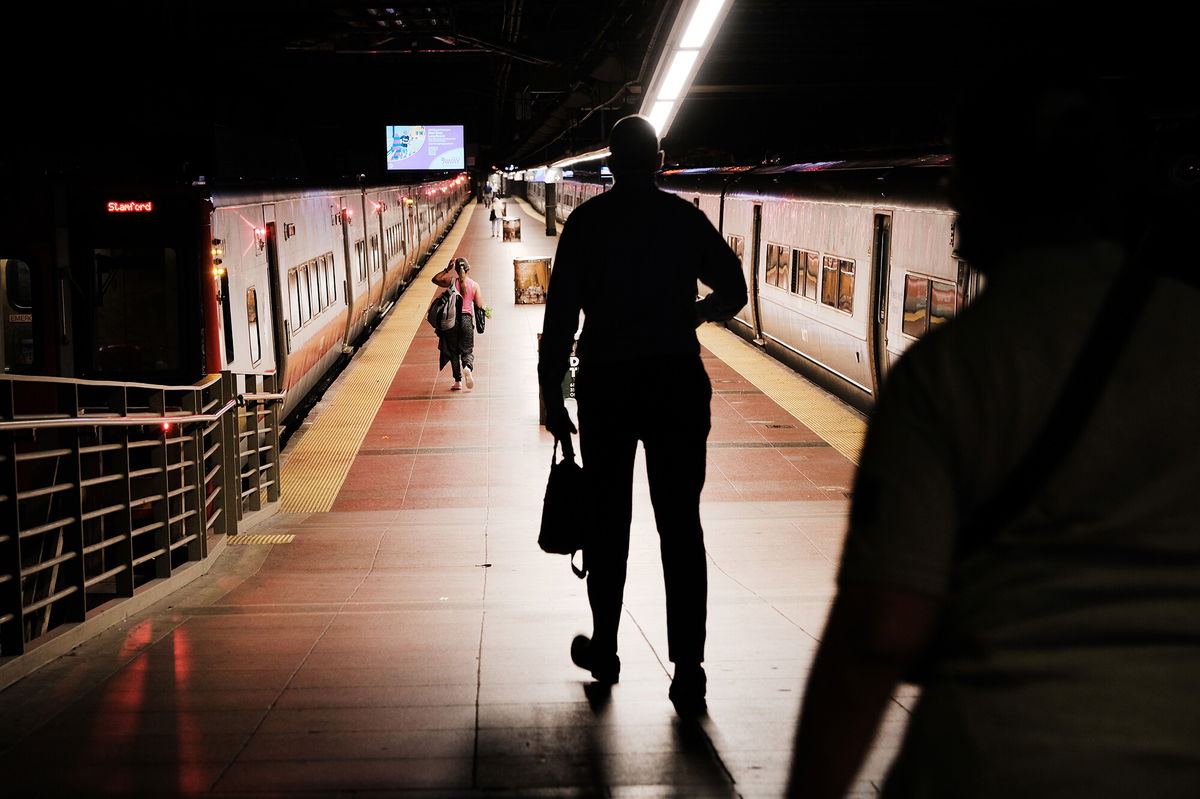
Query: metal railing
(107, 487)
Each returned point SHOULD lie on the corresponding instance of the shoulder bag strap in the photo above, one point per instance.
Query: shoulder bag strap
(1072, 412)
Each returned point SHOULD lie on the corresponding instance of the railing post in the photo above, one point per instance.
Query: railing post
(254, 462)
(73, 569)
(162, 489)
(125, 580)
(271, 386)
(192, 478)
(231, 458)
(12, 623)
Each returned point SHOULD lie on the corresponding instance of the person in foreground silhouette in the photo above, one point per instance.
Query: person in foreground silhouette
(630, 259)
(1058, 647)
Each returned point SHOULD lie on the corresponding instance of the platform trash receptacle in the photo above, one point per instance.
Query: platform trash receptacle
(512, 228)
(531, 280)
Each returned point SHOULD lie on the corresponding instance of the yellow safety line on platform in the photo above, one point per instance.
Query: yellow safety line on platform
(314, 472)
(833, 421)
(278, 538)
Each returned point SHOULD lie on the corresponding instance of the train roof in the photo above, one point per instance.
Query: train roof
(917, 182)
(236, 194)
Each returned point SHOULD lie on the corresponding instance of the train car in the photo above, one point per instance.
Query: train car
(847, 262)
(574, 189)
(164, 284)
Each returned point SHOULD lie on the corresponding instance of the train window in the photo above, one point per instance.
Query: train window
(16, 335)
(18, 285)
(806, 267)
(738, 245)
(943, 300)
(374, 253)
(319, 280)
(294, 295)
(837, 284)
(777, 265)
(252, 324)
(302, 289)
(928, 304)
(916, 305)
(360, 255)
(330, 283)
(846, 287)
(137, 324)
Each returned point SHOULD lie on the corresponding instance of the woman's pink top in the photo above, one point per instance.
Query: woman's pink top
(468, 290)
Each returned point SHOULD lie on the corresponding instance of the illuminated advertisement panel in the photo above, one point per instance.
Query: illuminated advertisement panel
(425, 147)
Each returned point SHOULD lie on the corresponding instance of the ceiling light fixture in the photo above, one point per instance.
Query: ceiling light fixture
(688, 44)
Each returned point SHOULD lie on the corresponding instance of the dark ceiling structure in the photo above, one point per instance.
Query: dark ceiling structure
(303, 90)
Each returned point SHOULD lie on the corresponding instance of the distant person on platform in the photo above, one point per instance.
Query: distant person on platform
(457, 345)
(496, 221)
(1024, 537)
(629, 259)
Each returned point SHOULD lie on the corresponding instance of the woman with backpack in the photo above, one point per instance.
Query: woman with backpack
(457, 344)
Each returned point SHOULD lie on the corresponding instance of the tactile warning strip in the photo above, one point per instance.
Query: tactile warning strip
(282, 538)
(315, 470)
(833, 421)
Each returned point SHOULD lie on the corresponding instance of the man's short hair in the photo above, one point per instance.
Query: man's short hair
(633, 144)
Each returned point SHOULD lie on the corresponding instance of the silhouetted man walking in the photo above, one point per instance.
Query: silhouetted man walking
(630, 260)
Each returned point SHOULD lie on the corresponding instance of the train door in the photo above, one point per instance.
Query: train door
(881, 260)
(135, 266)
(279, 304)
(384, 252)
(755, 256)
(343, 216)
(16, 327)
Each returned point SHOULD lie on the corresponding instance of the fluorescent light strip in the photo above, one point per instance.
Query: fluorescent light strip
(677, 75)
(579, 159)
(701, 23)
(659, 114)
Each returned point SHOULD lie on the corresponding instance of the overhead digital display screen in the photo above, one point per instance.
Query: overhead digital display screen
(425, 147)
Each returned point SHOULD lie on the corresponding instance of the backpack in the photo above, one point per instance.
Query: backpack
(442, 314)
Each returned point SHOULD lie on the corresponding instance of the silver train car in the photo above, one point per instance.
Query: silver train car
(847, 262)
(164, 284)
(304, 274)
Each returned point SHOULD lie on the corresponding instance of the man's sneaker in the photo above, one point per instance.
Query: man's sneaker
(470, 381)
(687, 690)
(456, 387)
(604, 669)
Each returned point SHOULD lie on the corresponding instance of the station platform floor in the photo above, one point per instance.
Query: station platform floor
(394, 630)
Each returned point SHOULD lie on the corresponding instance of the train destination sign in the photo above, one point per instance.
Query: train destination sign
(130, 207)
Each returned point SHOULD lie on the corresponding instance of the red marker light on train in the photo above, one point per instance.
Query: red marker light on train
(167, 427)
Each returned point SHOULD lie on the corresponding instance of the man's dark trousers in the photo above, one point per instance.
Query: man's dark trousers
(664, 403)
